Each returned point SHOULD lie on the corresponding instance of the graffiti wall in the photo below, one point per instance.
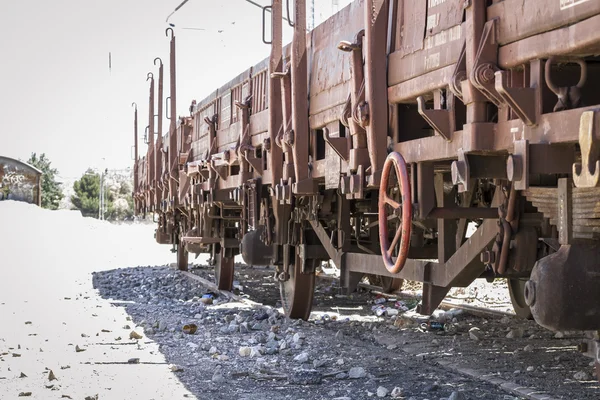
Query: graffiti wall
(19, 181)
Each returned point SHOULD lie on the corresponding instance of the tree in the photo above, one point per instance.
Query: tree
(87, 196)
(51, 191)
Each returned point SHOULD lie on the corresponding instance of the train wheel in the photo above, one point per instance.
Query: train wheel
(516, 288)
(297, 291)
(182, 257)
(224, 267)
(400, 205)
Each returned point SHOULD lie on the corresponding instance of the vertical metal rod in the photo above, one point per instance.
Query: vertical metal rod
(151, 152)
(376, 16)
(158, 149)
(475, 20)
(299, 72)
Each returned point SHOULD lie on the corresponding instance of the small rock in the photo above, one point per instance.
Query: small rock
(382, 391)
(218, 376)
(530, 369)
(301, 358)
(475, 333)
(456, 396)
(175, 368)
(528, 348)
(79, 349)
(503, 320)
(319, 363)
(133, 361)
(135, 335)
(357, 373)
(126, 327)
(257, 351)
(341, 375)
(515, 333)
(22, 375)
(396, 393)
(24, 394)
(559, 335)
(212, 350)
(51, 376)
(581, 376)
(245, 351)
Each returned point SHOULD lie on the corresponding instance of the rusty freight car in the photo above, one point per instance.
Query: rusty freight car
(377, 138)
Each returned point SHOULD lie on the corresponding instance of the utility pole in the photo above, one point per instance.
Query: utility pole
(101, 208)
(101, 195)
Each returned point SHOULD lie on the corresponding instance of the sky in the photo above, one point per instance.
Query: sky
(58, 96)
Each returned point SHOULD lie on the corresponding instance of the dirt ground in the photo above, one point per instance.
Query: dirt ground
(89, 310)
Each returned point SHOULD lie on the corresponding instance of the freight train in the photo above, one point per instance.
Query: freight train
(376, 139)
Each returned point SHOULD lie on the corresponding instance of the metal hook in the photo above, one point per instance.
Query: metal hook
(582, 77)
(167, 33)
(158, 58)
(134, 104)
(149, 76)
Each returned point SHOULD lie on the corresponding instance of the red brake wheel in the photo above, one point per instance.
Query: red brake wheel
(401, 209)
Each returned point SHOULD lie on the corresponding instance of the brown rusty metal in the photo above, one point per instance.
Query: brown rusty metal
(376, 17)
(159, 143)
(298, 137)
(294, 170)
(402, 209)
(151, 148)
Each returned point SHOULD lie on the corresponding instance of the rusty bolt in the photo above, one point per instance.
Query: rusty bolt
(288, 138)
(362, 111)
(486, 73)
(284, 276)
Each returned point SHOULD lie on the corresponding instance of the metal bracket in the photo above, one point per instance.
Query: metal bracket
(461, 172)
(339, 144)
(520, 100)
(587, 173)
(459, 75)
(440, 120)
(485, 66)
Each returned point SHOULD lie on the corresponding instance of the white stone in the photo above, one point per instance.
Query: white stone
(245, 351)
(382, 391)
(301, 358)
(357, 372)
